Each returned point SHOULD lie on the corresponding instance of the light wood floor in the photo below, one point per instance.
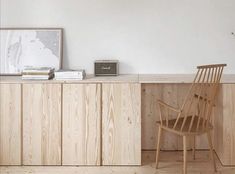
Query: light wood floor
(170, 163)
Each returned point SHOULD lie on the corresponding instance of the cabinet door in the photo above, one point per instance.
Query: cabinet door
(121, 124)
(81, 124)
(10, 124)
(41, 124)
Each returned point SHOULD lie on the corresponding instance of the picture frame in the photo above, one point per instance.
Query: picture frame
(37, 47)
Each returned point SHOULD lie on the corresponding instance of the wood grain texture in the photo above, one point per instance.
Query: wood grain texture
(224, 135)
(178, 78)
(121, 124)
(41, 124)
(171, 163)
(81, 124)
(173, 94)
(10, 124)
(90, 78)
(123, 78)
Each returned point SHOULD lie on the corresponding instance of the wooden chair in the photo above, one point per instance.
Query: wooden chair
(194, 116)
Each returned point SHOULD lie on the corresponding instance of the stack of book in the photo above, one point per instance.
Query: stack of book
(70, 75)
(37, 73)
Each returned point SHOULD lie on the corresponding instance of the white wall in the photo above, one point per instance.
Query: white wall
(147, 36)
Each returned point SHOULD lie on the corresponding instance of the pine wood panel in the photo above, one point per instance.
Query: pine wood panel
(41, 124)
(90, 78)
(121, 124)
(123, 78)
(81, 124)
(178, 78)
(224, 139)
(173, 94)
(10, 124)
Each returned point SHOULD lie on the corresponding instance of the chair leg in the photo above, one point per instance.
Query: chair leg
(158, 145)
(185, 155)
(211, 150)
(194, 146)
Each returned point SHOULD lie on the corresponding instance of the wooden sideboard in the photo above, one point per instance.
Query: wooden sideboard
(100, 120)
(70, 123)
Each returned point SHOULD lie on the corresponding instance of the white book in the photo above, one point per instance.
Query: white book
(73, 72)
(37, 77)
(68, 78)
(29, 69)
(67, 74)
(64, 76)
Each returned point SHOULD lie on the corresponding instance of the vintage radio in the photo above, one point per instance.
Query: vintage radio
(106, 67)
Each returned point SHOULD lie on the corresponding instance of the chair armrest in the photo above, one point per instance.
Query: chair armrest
(168, 106)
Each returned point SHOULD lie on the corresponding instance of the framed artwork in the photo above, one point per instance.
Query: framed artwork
(37, 47)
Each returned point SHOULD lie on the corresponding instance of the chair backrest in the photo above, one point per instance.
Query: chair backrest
(198, 103)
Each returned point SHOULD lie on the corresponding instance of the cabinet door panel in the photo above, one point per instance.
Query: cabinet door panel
(121, 124)
(41, 124)
(81, 124)
(10, 124)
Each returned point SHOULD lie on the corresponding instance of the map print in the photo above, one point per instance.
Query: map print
(20, 48)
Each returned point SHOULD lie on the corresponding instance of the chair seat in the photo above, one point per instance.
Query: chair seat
(185, 131)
